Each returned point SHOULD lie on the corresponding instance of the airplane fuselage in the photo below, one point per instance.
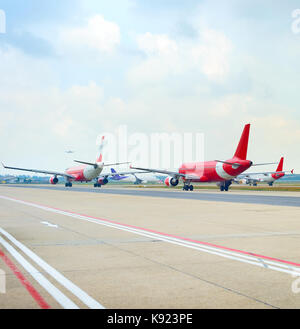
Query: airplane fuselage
(264, 178)
(85, 173)
(214, 171)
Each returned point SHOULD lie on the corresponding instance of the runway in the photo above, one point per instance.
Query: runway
(65, 249)
(236, 197)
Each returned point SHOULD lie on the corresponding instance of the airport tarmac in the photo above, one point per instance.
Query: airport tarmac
(290, 199)
(80, 249)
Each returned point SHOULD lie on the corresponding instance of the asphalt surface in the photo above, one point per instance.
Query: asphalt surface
(289, 201)
(65, 249)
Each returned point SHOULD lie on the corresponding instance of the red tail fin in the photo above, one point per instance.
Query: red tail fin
(280, 165)
(100, 157)
(241, 151)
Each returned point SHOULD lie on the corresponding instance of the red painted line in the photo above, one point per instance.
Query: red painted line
(38, 298)
(171, 235)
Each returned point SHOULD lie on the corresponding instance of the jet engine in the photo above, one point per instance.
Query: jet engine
(171, 181)
(102, 181)
(53, 180)
(244, 181)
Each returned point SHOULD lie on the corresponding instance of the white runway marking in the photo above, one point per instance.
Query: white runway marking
(79, 293)
(62, 299)
(49, 224)
(257, 260)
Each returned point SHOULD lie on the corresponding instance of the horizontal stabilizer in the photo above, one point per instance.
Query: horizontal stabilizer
(104, 165)
(263, 164)
(86, 163)
(115, 164)
(229, 163)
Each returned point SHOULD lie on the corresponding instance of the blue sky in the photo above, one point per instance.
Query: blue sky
(72, 69)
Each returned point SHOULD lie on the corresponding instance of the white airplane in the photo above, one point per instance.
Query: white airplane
(86, 172)
(264, 177)
(135, 177)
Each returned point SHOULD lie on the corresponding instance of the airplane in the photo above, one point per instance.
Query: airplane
(121, 176)
(221, 172)
(144, 177)
(86, 172)
(147, 178)
(117, 176)
(267, 177)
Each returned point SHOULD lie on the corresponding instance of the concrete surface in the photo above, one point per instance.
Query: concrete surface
(120, 269)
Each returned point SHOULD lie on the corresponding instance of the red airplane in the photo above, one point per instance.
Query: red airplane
(221, 172)
(267, 177)
(86, 172)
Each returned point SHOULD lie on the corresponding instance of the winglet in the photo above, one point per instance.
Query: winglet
(241, 151)
(292, 171)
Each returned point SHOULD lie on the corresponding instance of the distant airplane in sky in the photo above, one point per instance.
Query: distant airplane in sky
(86, 172)
(221, 172)
(267, 177)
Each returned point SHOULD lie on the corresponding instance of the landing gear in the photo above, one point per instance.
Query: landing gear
(97, 185)
(188, 187)
(68, 184)
(270, 184)
(224, 186)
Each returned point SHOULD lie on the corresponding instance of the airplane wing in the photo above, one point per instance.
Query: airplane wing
(166, 172)
(104, 164)
(40, 171)
(122, 173)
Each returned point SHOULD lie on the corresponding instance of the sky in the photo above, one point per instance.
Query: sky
(71, 70)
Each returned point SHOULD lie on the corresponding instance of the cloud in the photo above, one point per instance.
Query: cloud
(208, 54)
(214, 74)
(212, 52)
(38, 119)
(157, 45)
(99, 34)
(28, 43)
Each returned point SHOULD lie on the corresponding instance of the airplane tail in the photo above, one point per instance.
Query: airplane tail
(99, 159)
(280, 165)
(241, 151)
(116, 176)
(101, 146)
